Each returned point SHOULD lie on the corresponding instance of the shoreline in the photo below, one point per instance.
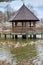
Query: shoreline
(18, 44)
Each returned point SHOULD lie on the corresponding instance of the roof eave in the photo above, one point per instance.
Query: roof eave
(23, 20)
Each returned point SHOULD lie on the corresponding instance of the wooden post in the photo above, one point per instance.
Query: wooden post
(12, 30)
(34, 36)
(16, 37)
(13, 26)
(23, 36)
(0, 35)
(12, 36)
(22, 24)
(5, 36)
(25, 24)
(30, 24)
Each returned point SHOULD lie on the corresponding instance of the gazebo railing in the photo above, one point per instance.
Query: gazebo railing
(21, 29)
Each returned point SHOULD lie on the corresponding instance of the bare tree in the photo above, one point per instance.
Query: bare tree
(8, 12)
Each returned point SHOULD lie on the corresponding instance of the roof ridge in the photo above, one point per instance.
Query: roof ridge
(21, 14)
(19, 10)
(30, 11)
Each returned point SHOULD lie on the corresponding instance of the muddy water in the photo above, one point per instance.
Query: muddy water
(21, 56)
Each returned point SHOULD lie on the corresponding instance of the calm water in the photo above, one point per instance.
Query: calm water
(29, 54)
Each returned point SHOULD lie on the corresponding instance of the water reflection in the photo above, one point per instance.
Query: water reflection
(23, 55)
(39, 59)
(5, 54)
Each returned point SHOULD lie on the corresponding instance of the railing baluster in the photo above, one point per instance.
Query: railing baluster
(22, 29)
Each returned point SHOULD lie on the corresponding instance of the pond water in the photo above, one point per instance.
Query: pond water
(32, 54)
(39, 59)
(5, 54)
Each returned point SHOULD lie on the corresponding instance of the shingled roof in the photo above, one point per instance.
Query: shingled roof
(24, 14)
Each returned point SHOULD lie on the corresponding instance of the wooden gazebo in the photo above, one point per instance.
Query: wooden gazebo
(23, 21)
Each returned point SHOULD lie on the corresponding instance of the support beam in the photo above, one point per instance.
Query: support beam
(12, 36)
(5, 36)
(34, 24)
(22, 24)
(13, 26)
(23, 36)
(16, 37)
(0, 35)
(30, 36)
(34, 36)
